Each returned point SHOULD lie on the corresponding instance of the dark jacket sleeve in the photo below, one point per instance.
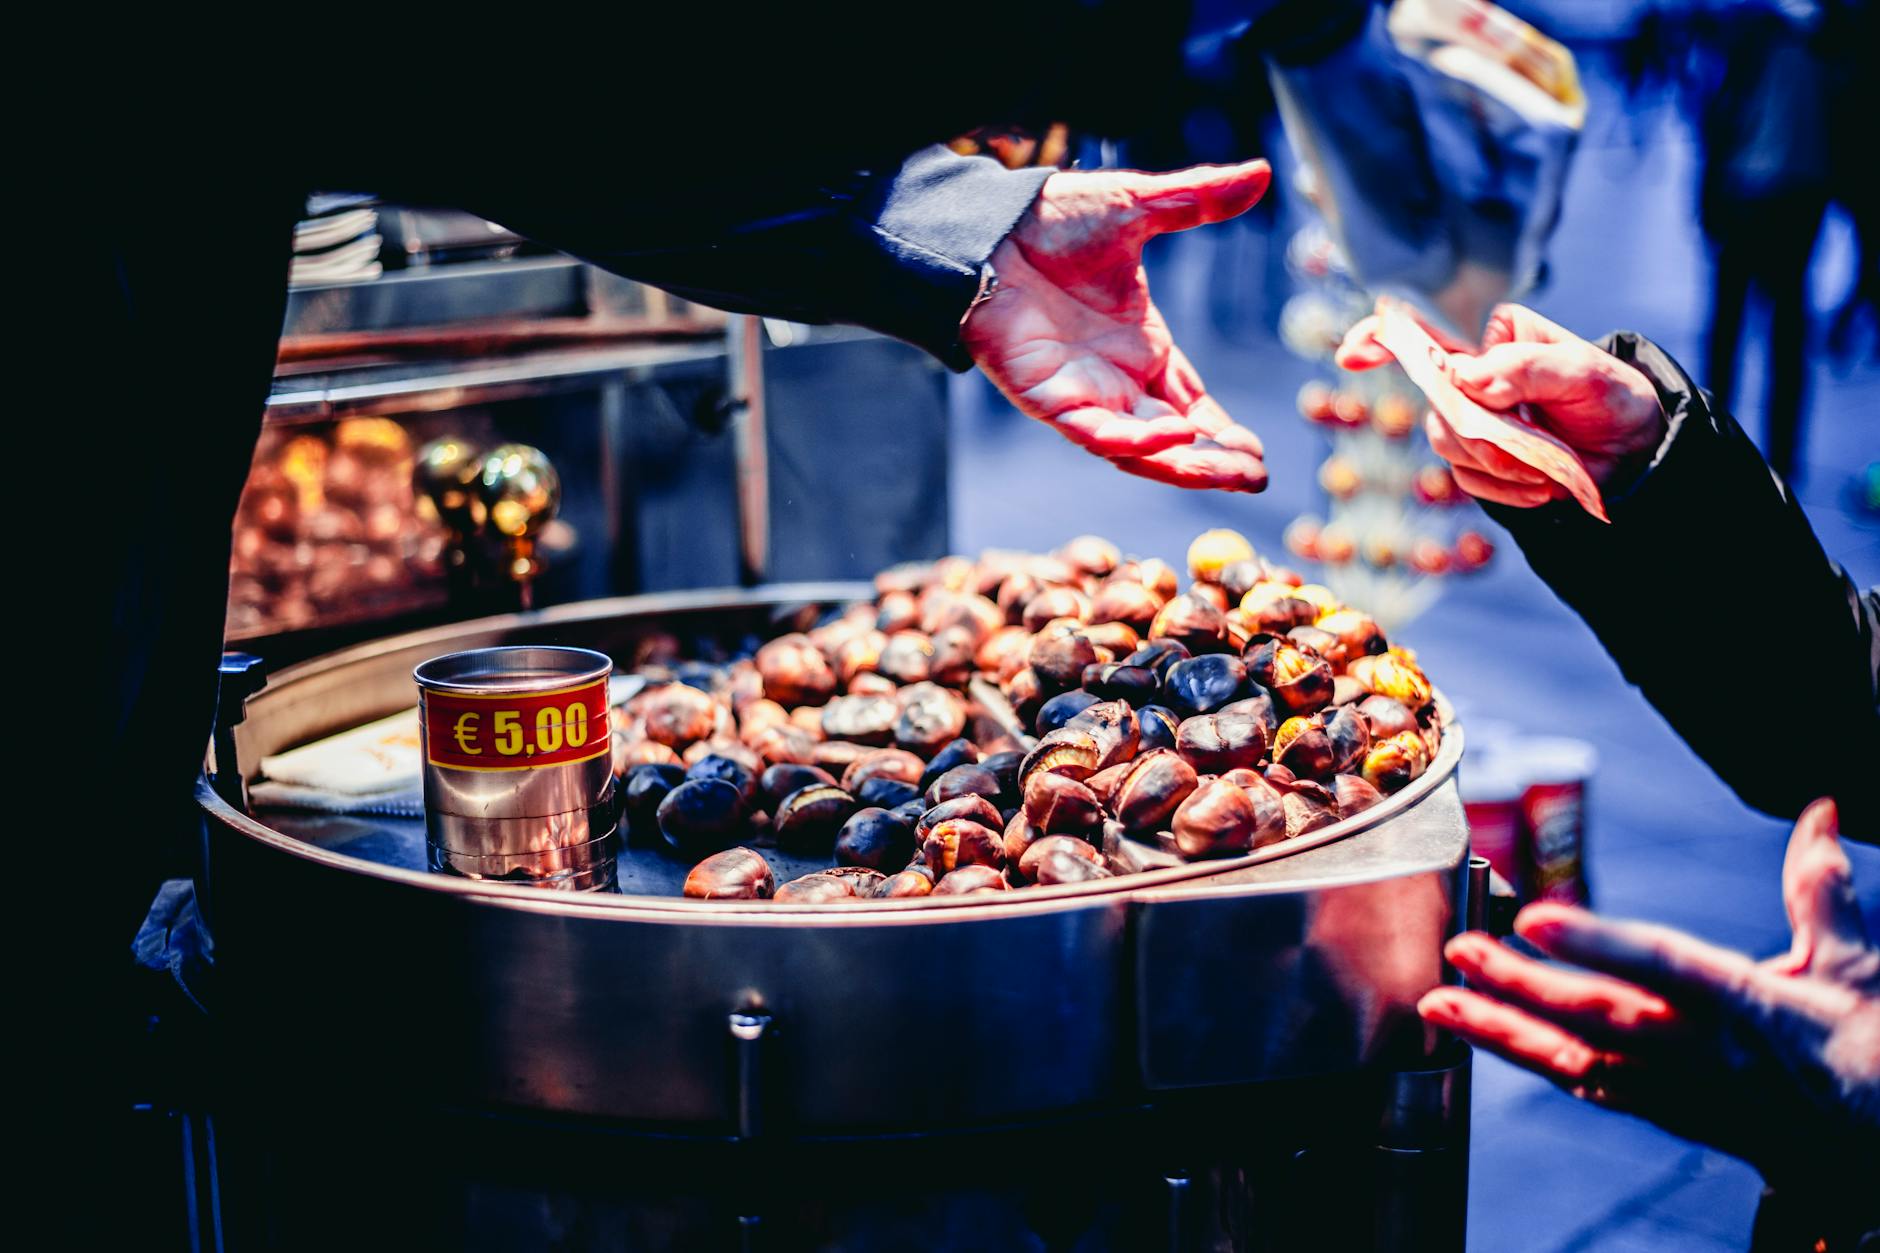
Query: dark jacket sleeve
(1712, 593)
(899, 251)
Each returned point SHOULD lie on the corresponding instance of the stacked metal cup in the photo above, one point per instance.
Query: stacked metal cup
(518, 778)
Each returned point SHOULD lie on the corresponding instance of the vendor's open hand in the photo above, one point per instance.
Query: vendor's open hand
(1599, 406)
(1777, 1062)
(1072, 338)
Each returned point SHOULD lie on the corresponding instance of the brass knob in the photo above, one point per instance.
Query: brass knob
(446, 473)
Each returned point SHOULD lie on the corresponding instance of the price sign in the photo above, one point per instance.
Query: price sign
(516, 731)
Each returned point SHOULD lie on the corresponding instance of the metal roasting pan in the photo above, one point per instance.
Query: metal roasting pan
(672, 1015)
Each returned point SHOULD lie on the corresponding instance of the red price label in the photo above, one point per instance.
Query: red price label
(509, 731)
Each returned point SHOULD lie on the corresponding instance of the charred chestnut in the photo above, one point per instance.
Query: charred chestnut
(954, 648)
(1322, 642)
(1158, 655)
(1057, 804)
(930, 716)
(1204, 684)
(701, 815)
(1113, 727)
(809, 818)
(1219, 742)
(970, 880)
(876, 838)
(1350, 737)
(1003, 653)
(737, 874)
(883, 763)
(1090, 554)
(1004, 767)
(1300, 681)
(896, 611)
(1358, 632)
(962, 842)
(1136, 684)
(1155, 786)
(1194, 622)
(1026, 694)
(1052, 603)
(646, 786)
(1308, 805)
(794, 671)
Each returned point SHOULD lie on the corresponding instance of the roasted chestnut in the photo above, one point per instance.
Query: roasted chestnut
(1059, 710)
(1216, 819)
(1274, 607)
(962, 842)
(1211, 551)
(857, 655)
(1349, 734)
(1061, 865)
(896, 611)
(1157, 727)
(972, 808)
(1354, 794)
(1058, 657)
(1045, 846)
(864, 880)
(1136, 684)
(1299, 681)
(1303, 747)
(627, 754)
(1213, 593)
(1052, 603)
(973, 780)
(1125, 600)
(876, 838)
(794, 671)
(1055, 803)
(737, 874)
(815, 889)
(1112, 725)
(781, 780)
(913, 881)
(970, 880)
(1219, 742)
(1090, 554)
(887, 793)
(1158, 656)
(1018, 836)
(860, 719)
(1204, 684)
(1322, 642)
(677, 715)
(721, 765)
(1388, 674)
(646, 785)
(1237, 577)
(1005, 767)
(1194, 622)
(954, 648)
(701, 815)
(809, 818)
(1308, 805)
(1358, 632)
(1395, 761)
(1026, 695)
(907, 657)
(1156, 784)
(930, 716)
(960, 752)
(1063, 751)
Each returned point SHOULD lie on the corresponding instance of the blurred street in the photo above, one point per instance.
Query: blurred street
(1667, 840)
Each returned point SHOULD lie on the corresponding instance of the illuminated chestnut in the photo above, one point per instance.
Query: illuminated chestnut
(1063, 751)
(1358, 632)
(721, 747)
(907, 657)
(896, 611)
(794, 671)
(1062, 866)
(1240, 629)
(1389, 674)
(1303, 747)
(968, 780)
(1055, 602)
(883, 763)
(962, 842)
(1354, 794)
(1219, 742)
(1396, 760)
(887, 793)
(1057, 804)
(1218, 819)
(1213, 593)
(1058, 658)
(760, 713)
(860, 719)
(1112, 725)
(1211, 551)
(1125, 601)
(1060, 709)
(1273, 607)
(1042, 849)
(903, 884)
(723, 765)
(960, 752)
(930, 716)
(737, 874)
(1258, 706)
(1156, 785)
(677, 715)
(970, 880)
(782, 779)
(1386, 716)
(808, 818)
(646, 785)
(1090, 554)
(1157, 727)
(815, 889)
(701, 815)
(1299, 681)
(1204, 684)
(1197, 624)
(877, 838)
(970, 808)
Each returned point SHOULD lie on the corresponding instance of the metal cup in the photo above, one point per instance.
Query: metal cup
(517, 767)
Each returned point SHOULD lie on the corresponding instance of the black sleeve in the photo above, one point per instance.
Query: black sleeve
(898, 251)
(1712, 593)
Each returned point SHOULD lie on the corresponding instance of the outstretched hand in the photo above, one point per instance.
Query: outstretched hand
(1602, 408)
(1776, 1062)
(1072, 338)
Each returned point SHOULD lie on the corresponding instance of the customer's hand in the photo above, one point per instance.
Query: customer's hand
(1072, 338)
(1599, 406)
(1776, 1062)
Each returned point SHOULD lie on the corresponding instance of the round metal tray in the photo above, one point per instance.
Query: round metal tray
(1303, 958)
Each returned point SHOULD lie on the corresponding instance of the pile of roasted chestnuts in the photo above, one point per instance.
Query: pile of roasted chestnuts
(1021, 719)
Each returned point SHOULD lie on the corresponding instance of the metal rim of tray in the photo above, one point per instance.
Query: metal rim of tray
(1030, 900)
